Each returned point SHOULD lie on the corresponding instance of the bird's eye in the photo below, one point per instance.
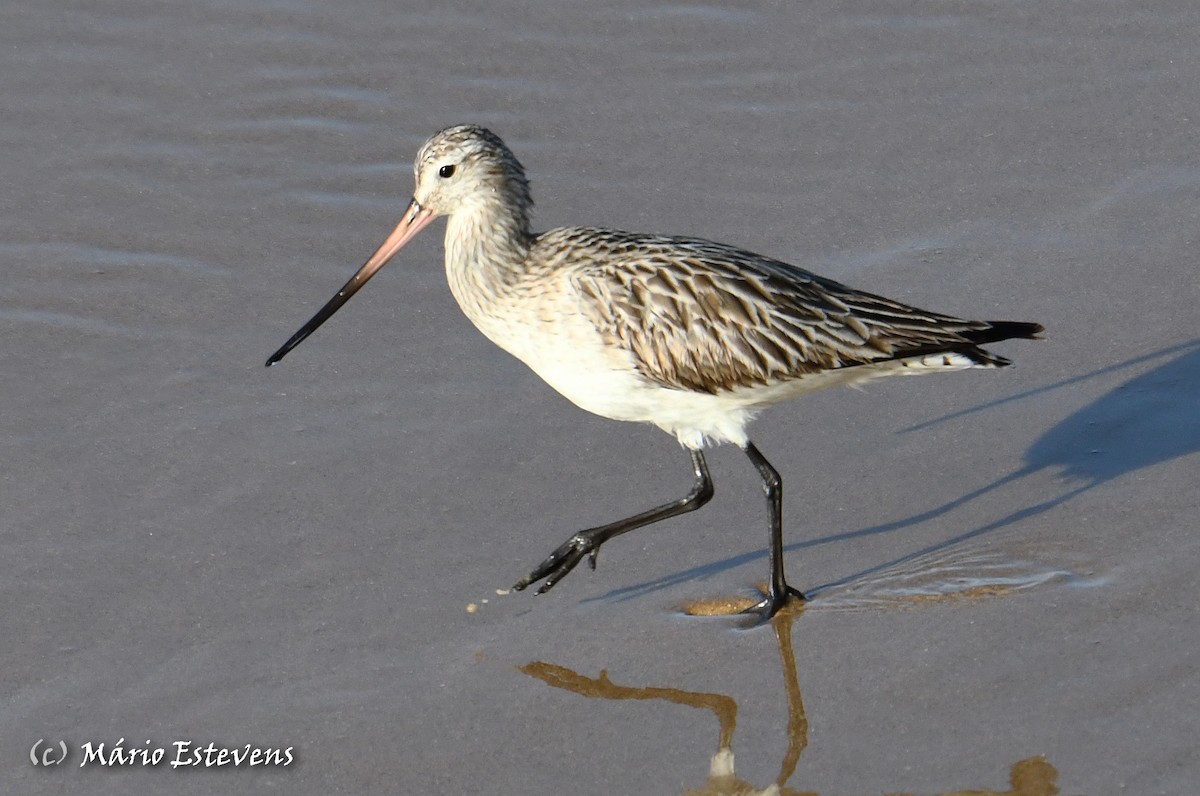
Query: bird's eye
(447, 171)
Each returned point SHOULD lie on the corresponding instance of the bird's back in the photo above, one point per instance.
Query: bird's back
(706, 317)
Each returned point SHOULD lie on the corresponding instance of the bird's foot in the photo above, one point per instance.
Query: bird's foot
(775, 600)
(561, 561)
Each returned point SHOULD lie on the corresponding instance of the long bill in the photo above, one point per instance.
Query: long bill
(415, 219)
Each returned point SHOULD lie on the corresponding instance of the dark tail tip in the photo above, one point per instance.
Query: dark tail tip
(1006, 330)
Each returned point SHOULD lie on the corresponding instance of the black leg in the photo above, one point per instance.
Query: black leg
(778, 591)
(587, 543)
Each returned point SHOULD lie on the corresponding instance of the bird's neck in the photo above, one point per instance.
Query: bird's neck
(487, 246)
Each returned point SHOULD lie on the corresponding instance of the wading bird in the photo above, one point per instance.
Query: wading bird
(693, 336)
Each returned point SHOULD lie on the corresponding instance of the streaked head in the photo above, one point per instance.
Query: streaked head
(465, 164)
(460, 168)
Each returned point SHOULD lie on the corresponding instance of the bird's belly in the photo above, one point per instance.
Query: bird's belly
(570, 355)
(606, 382)
(624, 394)
(573, 360)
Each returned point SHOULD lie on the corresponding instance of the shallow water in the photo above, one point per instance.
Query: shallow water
(200, 549)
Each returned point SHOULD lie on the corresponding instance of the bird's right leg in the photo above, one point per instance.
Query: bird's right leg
(779, 593)
(587, 542)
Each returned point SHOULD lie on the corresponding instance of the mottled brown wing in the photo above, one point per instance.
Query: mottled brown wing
(701, 316)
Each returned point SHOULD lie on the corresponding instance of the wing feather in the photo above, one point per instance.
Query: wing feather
(702, 316)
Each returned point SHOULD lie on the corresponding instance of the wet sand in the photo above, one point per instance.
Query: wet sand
(200, 550)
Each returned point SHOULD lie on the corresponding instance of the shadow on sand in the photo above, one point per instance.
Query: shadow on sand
(1148, 420)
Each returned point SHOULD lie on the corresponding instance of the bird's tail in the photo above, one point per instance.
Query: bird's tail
(1004, 330)
(992, 333)
(940, 356)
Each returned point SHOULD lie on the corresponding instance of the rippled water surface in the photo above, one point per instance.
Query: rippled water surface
(200, 550)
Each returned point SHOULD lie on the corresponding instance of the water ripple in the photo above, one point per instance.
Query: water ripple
(948, 576)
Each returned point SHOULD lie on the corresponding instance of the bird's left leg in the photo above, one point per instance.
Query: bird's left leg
(778, 590)
(587, 542)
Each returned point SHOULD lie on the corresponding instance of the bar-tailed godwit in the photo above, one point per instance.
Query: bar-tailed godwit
(692, 336)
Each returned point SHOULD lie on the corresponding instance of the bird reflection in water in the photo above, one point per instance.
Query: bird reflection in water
(1029, 777)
